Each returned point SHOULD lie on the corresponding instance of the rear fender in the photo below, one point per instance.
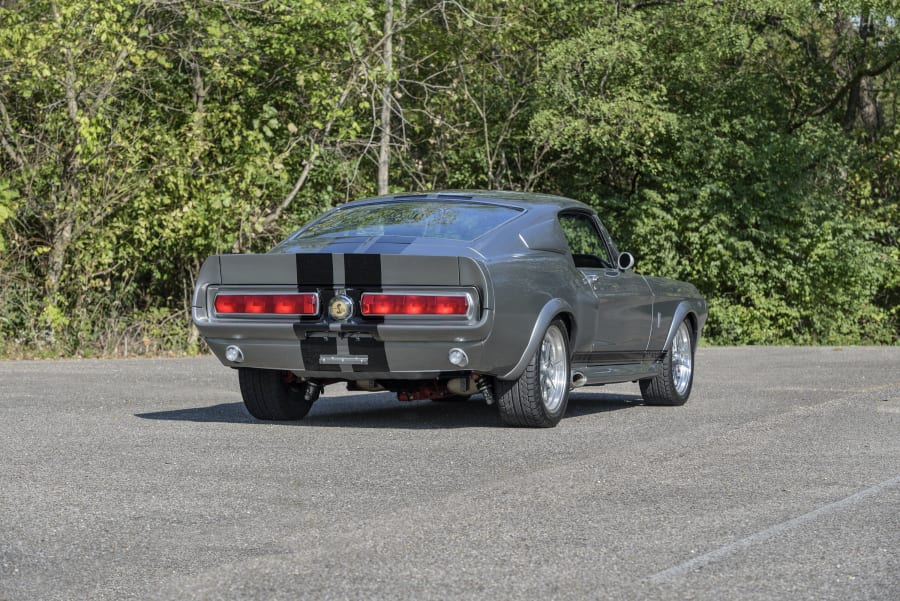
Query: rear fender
(550, 311)
(210, 274)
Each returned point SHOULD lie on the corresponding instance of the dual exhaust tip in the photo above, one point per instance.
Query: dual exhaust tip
(578, 379)
(234, 354)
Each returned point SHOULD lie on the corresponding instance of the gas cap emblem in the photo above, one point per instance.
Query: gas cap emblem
(340, 307)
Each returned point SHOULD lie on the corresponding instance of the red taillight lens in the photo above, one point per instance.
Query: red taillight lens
(268, 304)
(295, 304)
(414, 304)
(229, 304)
(257, 304)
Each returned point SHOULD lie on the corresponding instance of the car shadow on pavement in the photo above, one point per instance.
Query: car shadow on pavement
(225, 413)
(587, 403)
(384, 411)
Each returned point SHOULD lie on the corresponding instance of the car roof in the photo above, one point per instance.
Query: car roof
(517, 199)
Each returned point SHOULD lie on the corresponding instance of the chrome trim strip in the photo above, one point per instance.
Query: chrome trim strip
(343, 360)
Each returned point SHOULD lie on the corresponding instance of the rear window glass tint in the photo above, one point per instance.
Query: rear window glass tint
(456, 221)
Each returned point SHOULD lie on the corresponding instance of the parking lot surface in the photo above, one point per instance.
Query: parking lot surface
(147, 479)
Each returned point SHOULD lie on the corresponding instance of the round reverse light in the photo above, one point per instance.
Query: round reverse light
(234, 354)
(340, 307)
(458, 357)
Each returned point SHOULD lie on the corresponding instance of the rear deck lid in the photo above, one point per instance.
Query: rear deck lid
(344, 269)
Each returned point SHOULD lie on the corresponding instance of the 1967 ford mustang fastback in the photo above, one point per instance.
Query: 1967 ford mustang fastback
(518, 298)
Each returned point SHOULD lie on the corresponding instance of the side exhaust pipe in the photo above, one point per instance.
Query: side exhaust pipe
(578, 380)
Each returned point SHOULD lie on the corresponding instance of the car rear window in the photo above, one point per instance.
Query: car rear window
(420, 219)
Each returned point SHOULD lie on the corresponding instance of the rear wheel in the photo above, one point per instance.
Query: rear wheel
(539, 397)
(673, 385)
(273, 395)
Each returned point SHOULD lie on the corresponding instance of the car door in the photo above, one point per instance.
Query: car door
(624, 300)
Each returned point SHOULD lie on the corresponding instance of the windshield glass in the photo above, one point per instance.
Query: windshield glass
(420, 219)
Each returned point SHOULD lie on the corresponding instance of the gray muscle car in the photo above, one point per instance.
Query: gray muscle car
(515, 297)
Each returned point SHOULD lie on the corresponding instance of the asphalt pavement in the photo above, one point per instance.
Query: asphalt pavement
(147, 479)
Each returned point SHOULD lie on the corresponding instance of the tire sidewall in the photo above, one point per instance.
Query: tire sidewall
(267, 396)
(670, 367)
(536, 359)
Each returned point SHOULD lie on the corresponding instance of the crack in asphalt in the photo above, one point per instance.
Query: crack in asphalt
(683, 569)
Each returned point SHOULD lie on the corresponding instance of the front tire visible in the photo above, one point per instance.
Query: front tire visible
(273, 395)
(673, 385)
(538, 398)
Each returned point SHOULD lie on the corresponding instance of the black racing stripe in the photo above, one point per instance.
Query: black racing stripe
(363, 270)
(374, 349)
(312, 348)
(363, 273)
(314, 269)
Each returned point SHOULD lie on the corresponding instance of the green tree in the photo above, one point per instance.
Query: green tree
(701, 136)
(140, 136)
(749, 146)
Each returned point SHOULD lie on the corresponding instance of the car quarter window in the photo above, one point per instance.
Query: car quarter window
(585, 242)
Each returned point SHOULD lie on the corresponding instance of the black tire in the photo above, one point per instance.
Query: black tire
(273, 395)
(521, 402)
(670, 387)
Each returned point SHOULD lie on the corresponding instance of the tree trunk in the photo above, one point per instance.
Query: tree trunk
(862, 103)
(66, 205)
(384, 150)
(59, 248)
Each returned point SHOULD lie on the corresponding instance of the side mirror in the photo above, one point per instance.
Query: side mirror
(626, 261)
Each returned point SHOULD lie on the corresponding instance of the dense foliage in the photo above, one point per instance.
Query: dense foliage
(751, 147)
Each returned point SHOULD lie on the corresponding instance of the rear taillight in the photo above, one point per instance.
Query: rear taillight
(414, 304)
(268, 304)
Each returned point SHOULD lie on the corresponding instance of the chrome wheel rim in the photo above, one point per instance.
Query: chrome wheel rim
(682, 359)
(553, 369)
